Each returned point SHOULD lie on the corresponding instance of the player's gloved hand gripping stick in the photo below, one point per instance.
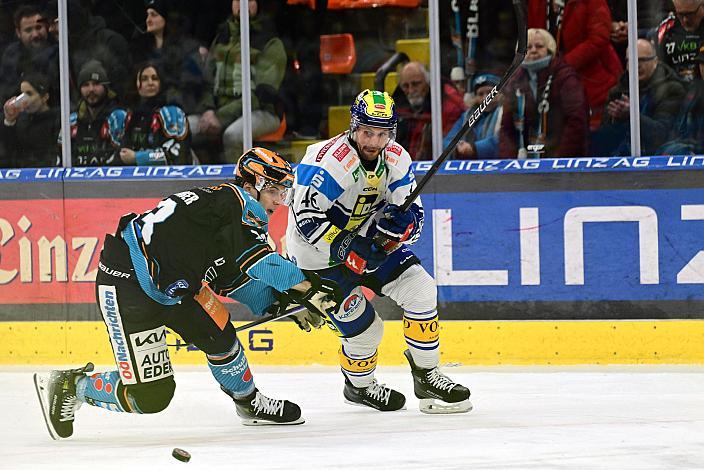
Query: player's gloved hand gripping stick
(387, 240)
(309, 308)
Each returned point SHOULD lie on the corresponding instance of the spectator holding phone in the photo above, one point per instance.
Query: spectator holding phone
(29, 126)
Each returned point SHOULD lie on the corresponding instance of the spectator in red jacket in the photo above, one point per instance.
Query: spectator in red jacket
(544, 79)
(584, 40)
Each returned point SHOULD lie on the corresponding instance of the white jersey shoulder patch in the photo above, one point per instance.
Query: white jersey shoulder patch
(336, 155)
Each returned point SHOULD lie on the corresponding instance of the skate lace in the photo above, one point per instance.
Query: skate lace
(68, 408)
(438, 380)
(268, 406)
(379, 392)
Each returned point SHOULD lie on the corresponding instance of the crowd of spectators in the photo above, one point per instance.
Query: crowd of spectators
(159, 81)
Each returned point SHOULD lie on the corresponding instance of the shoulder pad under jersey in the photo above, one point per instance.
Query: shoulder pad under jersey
(174, 122)
(335, 155)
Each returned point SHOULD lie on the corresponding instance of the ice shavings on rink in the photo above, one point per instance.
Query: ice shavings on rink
(640, 417)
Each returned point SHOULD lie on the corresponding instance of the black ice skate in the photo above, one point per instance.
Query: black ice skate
(437, 393)
(376, 396)
(57, 397)
(255, 410)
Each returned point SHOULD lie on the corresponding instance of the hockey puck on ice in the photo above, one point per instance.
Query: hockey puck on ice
(180, 454)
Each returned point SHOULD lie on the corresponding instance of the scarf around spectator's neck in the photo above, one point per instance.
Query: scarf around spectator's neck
(147, 105)
(533, 67)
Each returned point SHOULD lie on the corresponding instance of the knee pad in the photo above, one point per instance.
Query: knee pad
(219, 344)
(150, 397)
(414, 290)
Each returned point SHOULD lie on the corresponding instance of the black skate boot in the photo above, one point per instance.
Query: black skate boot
(57, 397)
(430, 385)
(376, 396)
(255, 410)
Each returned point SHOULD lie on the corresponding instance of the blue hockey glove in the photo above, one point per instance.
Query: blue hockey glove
(397, 225)
(358, 253)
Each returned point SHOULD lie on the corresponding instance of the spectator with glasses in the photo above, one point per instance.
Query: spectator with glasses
(660, 95)
(680, 36)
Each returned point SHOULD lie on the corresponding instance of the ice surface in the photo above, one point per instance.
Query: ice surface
(638, 417)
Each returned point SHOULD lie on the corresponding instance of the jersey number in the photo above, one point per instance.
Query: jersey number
(162, 212)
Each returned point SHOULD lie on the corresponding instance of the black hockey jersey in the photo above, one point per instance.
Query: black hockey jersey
(215, 235)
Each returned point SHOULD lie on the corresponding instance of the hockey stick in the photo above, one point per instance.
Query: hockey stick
(456, 32)
(470, 63)
(520, 10)
(270, 318)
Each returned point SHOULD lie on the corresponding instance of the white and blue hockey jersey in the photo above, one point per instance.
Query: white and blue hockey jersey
(334, 192)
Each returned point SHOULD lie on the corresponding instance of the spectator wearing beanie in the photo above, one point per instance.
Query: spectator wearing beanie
(91, 142)
(483, 140)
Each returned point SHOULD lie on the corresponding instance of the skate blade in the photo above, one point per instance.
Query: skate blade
(264, 422)
(362, 405)
(433, 406)
(40, 383)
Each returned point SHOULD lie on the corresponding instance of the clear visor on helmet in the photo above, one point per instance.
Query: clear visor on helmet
(277, 191)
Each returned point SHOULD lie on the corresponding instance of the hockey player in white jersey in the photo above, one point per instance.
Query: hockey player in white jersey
(347, 192)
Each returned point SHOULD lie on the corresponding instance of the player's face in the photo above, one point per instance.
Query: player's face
(272, 196)
(371, 141)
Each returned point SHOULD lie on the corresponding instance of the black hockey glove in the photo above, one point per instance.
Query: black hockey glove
(357, 252)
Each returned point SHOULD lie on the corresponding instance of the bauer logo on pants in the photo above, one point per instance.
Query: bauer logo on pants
(111, 315)
(151, 354)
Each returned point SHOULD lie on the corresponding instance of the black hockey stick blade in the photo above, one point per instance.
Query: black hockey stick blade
(520, 9)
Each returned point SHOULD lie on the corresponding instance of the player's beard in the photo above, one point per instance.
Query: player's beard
(370, 153)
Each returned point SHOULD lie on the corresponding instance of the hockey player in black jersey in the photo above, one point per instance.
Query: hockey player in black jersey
(163, 268)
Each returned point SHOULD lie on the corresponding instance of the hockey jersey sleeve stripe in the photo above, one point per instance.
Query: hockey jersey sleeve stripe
(277, 272)
(141, 269)
(252, 256)
(319, 178)
(406, 180)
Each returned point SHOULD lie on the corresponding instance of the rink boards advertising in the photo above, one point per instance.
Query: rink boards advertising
(552, 261)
